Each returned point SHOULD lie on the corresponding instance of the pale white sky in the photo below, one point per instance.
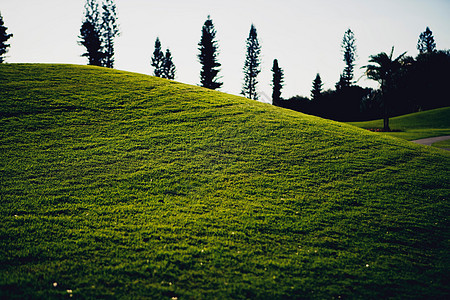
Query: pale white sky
(304, 36)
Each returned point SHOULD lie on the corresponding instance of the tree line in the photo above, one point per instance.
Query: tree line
(98, 32)
(407, 84)
(208, 58)
(100, 28)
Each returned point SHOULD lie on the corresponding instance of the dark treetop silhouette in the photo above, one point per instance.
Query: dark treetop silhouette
(157, 59)
(168, 67)
(97, 33)
(252, 65)
(110, 30)
(277, 82)
(4, 37)
(426, 43)
(316, 91)
(207, 57)
(349, 50)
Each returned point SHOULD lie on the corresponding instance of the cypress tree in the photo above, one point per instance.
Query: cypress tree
(426, 43)
(157, 59)
(4, 37)
(349, 49)
(90, 34)
(316, 91)
(208, 56)
(110, 30)
(277, 82)
(168, 67)
(251, 66)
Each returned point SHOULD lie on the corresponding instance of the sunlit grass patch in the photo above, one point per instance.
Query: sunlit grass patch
(431, 123)
(442, 144)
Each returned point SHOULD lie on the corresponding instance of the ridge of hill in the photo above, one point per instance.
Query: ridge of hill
(121, 185)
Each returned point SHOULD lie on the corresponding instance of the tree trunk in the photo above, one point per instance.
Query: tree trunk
(385, 96)
(386, 123)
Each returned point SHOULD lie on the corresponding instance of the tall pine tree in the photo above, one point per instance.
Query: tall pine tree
(110, 30)
(426, 43)
(90, 34)
(168, 67)
(209, 51)
(157, 59)
(251, 66)
(316, 91)
(349, 50)
(4, 37)
(277, 82)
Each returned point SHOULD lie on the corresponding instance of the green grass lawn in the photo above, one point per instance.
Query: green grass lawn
(431, 123)
(121, 185)
(442, 144)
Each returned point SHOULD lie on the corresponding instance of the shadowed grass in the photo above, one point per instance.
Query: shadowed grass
(121, 185)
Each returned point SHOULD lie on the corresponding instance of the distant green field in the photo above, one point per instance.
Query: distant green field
(414, 126)
(121, 185)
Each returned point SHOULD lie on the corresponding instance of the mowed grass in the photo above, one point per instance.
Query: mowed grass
(420, 125)
(442, 144)
(121, 185)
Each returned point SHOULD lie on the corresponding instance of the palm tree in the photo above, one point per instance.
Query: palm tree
(385, 72)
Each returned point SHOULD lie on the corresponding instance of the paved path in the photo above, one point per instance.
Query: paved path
(429, 141)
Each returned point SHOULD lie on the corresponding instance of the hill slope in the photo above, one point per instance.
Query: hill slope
(419, 125)
(120, 185)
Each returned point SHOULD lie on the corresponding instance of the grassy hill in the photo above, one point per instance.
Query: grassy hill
(430, 123)
(121, 185)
